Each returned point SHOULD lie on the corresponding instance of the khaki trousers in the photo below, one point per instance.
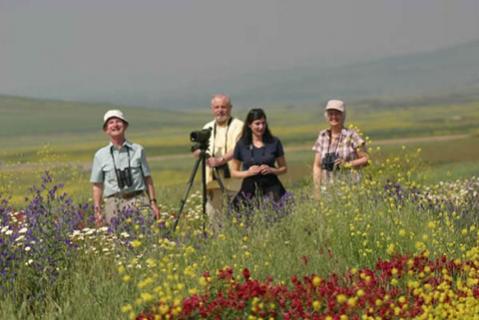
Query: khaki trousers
(216, 207)
(114, 205)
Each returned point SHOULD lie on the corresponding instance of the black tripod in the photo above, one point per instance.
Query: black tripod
(200, 161)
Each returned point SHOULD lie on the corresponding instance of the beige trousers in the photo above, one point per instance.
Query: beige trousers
(216, 207)
(115, 205)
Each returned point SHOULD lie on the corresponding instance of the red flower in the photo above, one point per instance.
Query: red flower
(246, 274)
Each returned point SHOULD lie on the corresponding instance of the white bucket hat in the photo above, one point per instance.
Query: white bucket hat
(336, 105)
(113, 114)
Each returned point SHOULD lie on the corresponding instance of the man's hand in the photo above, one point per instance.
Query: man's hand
(196, 153)
(213, 162)
(155, 209)
(98, 217)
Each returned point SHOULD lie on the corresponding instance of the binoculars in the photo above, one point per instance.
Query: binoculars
(124, 178)
(327, 163)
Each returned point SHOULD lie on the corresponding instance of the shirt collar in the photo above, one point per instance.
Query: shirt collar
(327, 133)
(125, 144)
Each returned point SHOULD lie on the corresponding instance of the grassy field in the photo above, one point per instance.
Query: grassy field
(384, 247)
(63, 136)
(402, 217)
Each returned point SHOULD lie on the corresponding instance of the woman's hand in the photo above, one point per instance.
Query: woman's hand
(340, 163)
(254, 170)
(265, 169)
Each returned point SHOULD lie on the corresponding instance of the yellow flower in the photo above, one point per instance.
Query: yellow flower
(316, 305)
(126, 308)
(341, 298)
(136, 243)
(203, 282)
(146, 297)
(391, 249)
(360, 293)
(316, 281)
(352, 302)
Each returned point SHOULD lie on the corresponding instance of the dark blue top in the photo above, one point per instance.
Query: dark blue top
(249, 155)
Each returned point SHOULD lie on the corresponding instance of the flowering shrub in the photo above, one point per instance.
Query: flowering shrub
(35, 243)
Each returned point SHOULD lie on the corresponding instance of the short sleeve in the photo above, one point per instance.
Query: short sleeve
(97, 175)
(318, 145)
(237, 154)
(356, 140)
(144, 164)
(279, 152)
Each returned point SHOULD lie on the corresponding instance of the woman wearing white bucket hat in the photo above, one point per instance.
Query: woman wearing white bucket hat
(337, 147)
(120, 173)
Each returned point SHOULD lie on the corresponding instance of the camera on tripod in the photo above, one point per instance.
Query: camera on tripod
(201, 139)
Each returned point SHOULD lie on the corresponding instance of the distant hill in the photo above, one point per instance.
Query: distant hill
(450, 72)
(438, 73)
(39, 118)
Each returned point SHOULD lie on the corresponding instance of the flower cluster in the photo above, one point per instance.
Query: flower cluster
(403, 287)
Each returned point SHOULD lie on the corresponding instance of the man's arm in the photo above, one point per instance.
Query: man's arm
(152, 196)
(219, 161)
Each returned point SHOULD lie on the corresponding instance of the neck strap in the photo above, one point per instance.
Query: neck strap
(330, 133)
(114, 163)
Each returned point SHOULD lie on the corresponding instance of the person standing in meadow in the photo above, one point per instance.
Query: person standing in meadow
(339, 151)
(120, 173)
(225, 132)
(258, 159)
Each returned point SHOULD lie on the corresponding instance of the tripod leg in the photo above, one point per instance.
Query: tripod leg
(189, 185)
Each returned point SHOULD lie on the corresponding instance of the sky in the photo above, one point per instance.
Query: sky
(151, 52)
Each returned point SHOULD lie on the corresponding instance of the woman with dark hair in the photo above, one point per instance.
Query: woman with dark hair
(258, 159)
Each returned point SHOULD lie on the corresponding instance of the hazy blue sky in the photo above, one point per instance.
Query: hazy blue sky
(143, 50)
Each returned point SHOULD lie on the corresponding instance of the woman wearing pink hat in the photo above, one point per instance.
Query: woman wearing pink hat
(337, 148)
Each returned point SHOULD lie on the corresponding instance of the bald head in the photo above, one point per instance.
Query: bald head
(221, 108)
(221, 99)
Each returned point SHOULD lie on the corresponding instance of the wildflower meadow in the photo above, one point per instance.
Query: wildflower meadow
(387, 247)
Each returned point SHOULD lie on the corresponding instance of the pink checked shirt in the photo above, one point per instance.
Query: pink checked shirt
(349, 141)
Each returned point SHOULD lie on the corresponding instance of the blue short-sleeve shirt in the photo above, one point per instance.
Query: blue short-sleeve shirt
(129, 155)
(249, 155)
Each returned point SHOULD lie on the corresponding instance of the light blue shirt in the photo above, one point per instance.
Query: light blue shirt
(103, 169)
